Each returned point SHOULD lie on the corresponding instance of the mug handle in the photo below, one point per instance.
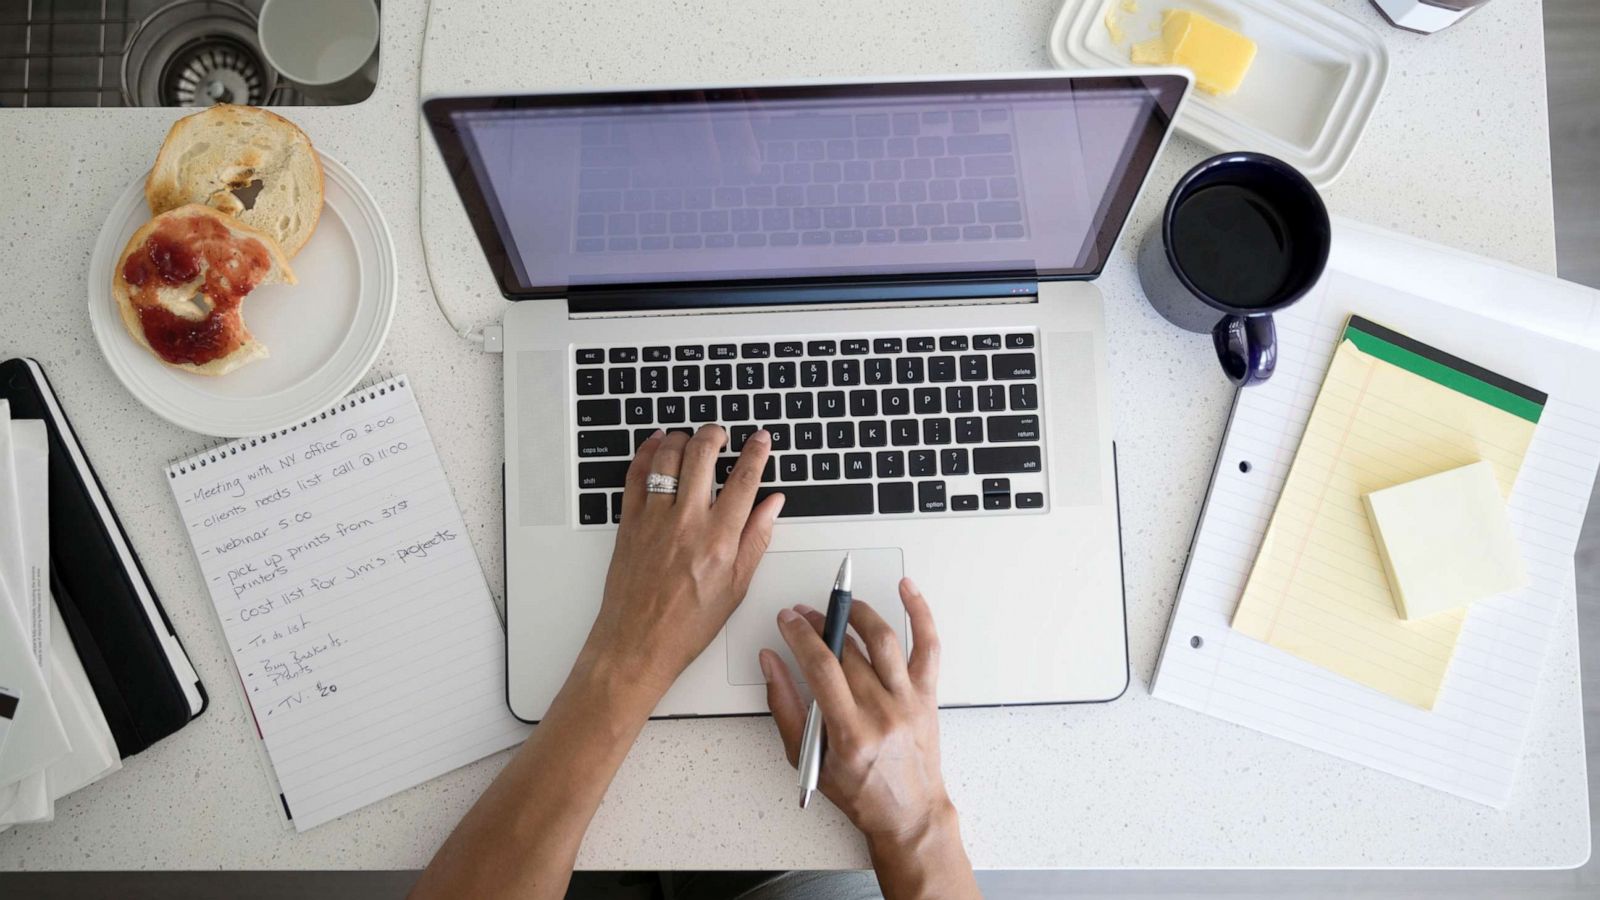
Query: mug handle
(1247, 347)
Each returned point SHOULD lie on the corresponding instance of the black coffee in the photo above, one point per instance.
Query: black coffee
(1233, 245)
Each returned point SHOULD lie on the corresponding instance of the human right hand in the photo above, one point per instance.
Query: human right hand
(881, 718)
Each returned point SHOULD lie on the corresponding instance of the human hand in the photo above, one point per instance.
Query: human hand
(681, 562)
(880, 714)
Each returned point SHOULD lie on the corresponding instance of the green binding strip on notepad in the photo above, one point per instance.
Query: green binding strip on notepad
(1442, 368)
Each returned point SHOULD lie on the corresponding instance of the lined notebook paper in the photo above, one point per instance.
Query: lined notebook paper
(366, 642)
(1471, 741)
(1391, 410)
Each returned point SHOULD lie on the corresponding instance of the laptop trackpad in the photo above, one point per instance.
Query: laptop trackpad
(806, 576)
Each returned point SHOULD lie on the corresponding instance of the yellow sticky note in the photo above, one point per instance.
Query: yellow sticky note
(1219, 56)
(1318, 588)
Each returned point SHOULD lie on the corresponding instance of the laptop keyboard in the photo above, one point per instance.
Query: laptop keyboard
(869, 178)
(916, 425)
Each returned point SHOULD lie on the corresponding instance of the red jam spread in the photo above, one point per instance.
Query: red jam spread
(177, 253)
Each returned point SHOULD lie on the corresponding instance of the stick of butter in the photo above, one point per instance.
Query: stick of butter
(1219, 56)
(1445, 540)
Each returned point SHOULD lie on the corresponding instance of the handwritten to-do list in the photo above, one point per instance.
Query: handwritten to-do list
(366, 642)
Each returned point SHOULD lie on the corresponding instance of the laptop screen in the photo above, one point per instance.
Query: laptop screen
(997, 178)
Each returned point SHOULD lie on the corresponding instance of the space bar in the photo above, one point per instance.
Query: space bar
(822, 499)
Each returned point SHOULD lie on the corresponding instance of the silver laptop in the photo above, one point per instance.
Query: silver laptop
(893, 278)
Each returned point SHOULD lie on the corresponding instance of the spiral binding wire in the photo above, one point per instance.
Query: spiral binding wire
(375, 386)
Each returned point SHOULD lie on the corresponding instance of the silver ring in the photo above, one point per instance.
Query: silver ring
(658, 483)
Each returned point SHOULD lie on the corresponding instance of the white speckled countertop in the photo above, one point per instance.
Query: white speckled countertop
(1457, 153)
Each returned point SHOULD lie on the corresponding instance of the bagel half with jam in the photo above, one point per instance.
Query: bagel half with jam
(181, 281)
(217, 156)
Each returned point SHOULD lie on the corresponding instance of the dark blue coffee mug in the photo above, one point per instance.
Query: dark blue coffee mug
(1242, 236)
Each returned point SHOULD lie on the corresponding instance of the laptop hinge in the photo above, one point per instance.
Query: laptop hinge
(727, 298)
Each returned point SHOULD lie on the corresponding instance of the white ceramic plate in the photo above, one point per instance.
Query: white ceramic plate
(1308, 96)
(323, 333)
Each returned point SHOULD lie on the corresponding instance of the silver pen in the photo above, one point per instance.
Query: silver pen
(833, 629)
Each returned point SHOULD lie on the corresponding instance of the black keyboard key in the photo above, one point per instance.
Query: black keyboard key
(653, 379)
(953, 461)
(997, 460)
(936, 431)
(964, 502)
(808, 436)
(923, 462)
(623, 381)
(755, 351)
(604, 443)
(1013, 429)
(591, 509)
(616, 508)
(624, 354)
(996, 501)
(750, 377)
(724, 469)
(987, 342)
(969, 430)
(863, 403)
(608, 474)
(830, 404)
(841, 435)
(657, 354)
(813, 373)
(927, 401)
(903, 432)
(823, 499)
(880, 370)
(1030, 500)
(719, 378)
(908, 369)
(891, 464)
(846, 372)
(671, 409)
(1015, 366)
(735, 407)
(825, 467)
(1024, 396)
(591, 381)
(930, 496)
(792, 467)
(685, 379)
(768, 407)
(640, 435)
(920, 344)
(591, 357)
(703, 408)
(854, 347)
(896, 497)
(737, 435)
(781, 375)
(975, 367)
(599, 412)
(857, 465)
(724, 351)
(896, 402)
(789, 349)
(941, 368)
(997, 485)
(821, 348)
(958, 399)
(1019, 341)
(874, 433)
(691, 353)
(886, 345)
(638, 411)
(797, 405)
(992, 397)
(953, 343)
(780, 436)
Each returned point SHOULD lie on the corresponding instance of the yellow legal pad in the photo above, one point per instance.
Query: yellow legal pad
(1391, 410)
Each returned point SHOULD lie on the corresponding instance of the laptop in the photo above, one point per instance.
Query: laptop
(895, 279)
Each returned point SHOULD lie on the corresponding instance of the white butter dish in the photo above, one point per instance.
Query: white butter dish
(1308, 96)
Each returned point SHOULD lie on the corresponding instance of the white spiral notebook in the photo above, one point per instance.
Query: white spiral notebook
(366, 642)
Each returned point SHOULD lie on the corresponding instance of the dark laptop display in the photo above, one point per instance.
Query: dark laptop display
(1028, 177)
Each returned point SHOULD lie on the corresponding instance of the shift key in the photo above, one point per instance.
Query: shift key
(603, 474)
(996, 460)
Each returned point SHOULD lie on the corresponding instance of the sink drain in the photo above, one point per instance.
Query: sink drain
(196, 53)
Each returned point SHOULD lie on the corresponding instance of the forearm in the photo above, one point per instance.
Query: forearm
(926, 862)
(522, 836)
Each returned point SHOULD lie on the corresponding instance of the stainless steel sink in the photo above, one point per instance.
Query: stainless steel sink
(142, 53)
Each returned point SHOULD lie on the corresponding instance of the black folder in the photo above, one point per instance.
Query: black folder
(142, 678)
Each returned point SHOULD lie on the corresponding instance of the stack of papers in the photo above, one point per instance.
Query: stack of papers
(53, 737)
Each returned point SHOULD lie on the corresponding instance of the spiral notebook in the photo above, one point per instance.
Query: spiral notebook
(365, 640)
